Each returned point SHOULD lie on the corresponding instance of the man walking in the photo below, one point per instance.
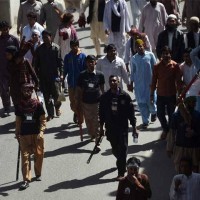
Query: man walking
(142, 65)
(115, 109)
(111, 64)
(95, 19)
(173, 38)
(24, 9)
(89, 89)
(153, 20)
(116, 24)
(6, 39)
(49, 68)
(74, 64)
(30, 127)
(167, 80)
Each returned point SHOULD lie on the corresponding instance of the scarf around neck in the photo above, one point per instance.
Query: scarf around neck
(114, 6)
(28, 106)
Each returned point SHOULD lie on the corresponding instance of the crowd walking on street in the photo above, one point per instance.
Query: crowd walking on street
(151, 59)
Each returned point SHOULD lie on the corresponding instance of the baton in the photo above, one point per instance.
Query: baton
(81, 132)
(18, 160)
(95, 147)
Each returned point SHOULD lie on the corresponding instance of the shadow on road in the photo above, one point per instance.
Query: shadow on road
(74, 148)
(75, 183)
(6, 128)
(62, 131)
(5, 189)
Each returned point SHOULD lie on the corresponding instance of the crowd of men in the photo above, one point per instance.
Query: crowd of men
(151, 56)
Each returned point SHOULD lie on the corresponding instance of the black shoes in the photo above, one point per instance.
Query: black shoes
(153, 117)
(38, 178)
(24, 185)
(49, 118)
(75, 119)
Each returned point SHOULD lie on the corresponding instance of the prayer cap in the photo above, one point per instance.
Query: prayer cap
(172, 16)
(35, 31)
(139, 42)
(194, 19)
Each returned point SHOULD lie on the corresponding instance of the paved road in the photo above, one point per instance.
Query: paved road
(65, 172)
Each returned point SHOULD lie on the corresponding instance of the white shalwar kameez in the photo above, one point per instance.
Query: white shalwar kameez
(116, 67)
(141, 75)
(189, 188)
(153, 21)
(27, 33)
(136, 9)
(97, 30)
(117, 38)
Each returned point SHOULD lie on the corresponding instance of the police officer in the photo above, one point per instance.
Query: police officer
(90, 86)
(115, 109)
(30, 127)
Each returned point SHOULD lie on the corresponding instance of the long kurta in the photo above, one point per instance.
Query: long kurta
(128, 53)
(189, 188)
(116, 67)
(24, 9)
(141, 75)
(51, 17)
(117, 38)
(136, 9)
(191, 8)
(27, 32)
(96, 26)
(153, 21)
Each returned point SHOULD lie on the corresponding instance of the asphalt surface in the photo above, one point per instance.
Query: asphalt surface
(66, 175)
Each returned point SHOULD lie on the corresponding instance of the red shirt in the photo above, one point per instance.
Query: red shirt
(166, 79)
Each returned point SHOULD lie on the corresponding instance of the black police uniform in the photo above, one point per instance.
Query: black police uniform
(115, 110)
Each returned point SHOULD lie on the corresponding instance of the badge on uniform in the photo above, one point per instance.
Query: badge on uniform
(91, 85)
(29, 117)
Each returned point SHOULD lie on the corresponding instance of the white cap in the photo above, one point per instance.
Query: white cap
(35, 31)
(195, 19)
(172, 16)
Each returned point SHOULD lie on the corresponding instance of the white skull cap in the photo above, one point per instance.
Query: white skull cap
(172, 16)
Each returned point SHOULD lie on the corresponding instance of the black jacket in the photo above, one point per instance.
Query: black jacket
(116, 120)
(190, 39)
(178, 45)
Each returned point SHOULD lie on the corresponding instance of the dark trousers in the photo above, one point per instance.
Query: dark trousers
(168, 103)
(119, 144)
(51, 91)
(5, 94)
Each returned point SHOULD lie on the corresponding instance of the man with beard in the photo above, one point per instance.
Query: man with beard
(173, 38)
(193, 36)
